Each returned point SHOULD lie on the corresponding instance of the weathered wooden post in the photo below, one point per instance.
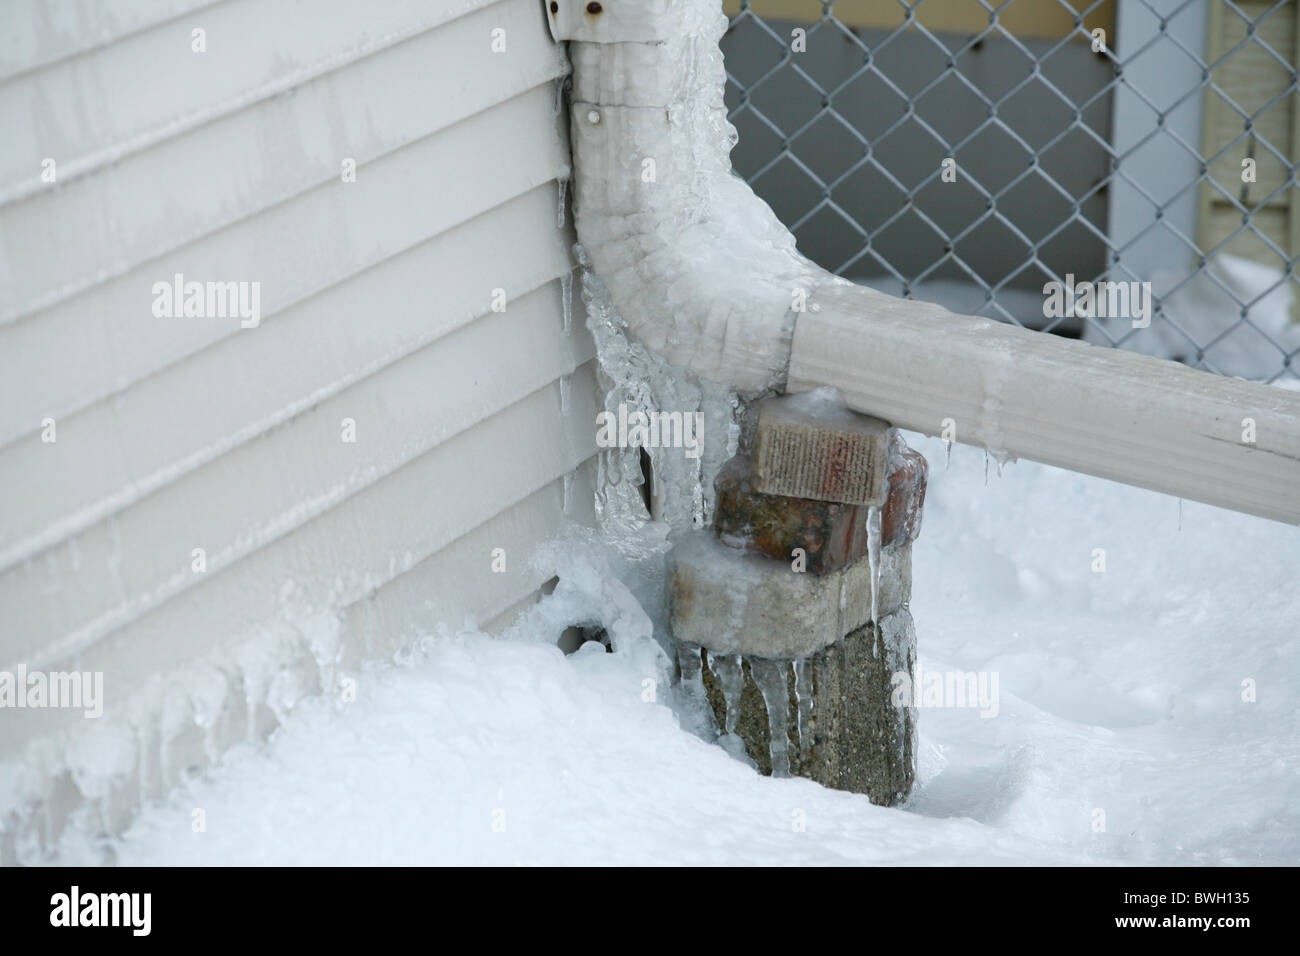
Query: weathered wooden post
(791, 614)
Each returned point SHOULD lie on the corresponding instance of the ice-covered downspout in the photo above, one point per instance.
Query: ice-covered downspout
(701, 270)
(703, 273)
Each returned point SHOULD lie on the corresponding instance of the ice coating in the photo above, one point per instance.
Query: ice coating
(731, 678)
(769, 676)
(803, 693)
(699, 267)
(873, 558)
(566, 301)
(634, 375)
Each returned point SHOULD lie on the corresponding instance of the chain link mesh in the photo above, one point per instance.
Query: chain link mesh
(1059, 147)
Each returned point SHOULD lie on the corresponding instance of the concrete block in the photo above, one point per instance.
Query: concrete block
(737, 602)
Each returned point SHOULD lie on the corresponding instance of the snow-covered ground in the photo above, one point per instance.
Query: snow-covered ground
(1125, 730)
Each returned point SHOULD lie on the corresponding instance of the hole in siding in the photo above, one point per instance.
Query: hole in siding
(647, 480)
(579, 634)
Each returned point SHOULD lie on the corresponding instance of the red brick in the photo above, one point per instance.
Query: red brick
(900, 519)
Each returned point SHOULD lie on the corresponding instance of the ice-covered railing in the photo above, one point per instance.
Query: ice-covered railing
(703, 273)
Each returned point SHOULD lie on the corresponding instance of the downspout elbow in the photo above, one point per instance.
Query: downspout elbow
(699, 268)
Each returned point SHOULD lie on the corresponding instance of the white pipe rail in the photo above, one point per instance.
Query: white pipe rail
(702, 272)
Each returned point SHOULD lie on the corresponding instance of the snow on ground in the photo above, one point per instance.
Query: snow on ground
(1120, 704)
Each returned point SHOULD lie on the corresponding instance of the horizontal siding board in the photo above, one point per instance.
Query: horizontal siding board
(308, 353)
(64, 239)
(454, 583)
(35, 33)
(265, 489)
(95, 109)
(457, 585)
(350, 552)
(104, 340)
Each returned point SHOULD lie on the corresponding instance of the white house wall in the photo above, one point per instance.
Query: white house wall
(181, 433)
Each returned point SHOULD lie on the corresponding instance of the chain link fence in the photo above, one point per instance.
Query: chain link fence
(972, 151)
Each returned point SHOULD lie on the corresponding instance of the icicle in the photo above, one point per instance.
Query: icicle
(803, 695)
(568, 491)
(557, 104)
(566, 301)
(844, 689)
(986, 467)
(688, 662)
(873, 556)
(566, 385)
(563, 192)
(601, 500)
(770, 678)
(731, 677)
(947, 455)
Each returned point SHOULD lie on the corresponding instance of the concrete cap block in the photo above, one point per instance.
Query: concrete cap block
(736, 602)
(811, 445)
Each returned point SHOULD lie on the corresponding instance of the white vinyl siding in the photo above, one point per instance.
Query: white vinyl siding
(180, 433)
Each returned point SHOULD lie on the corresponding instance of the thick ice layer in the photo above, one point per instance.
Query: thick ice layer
(701, 269)
(728, 667)
(643, 381)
